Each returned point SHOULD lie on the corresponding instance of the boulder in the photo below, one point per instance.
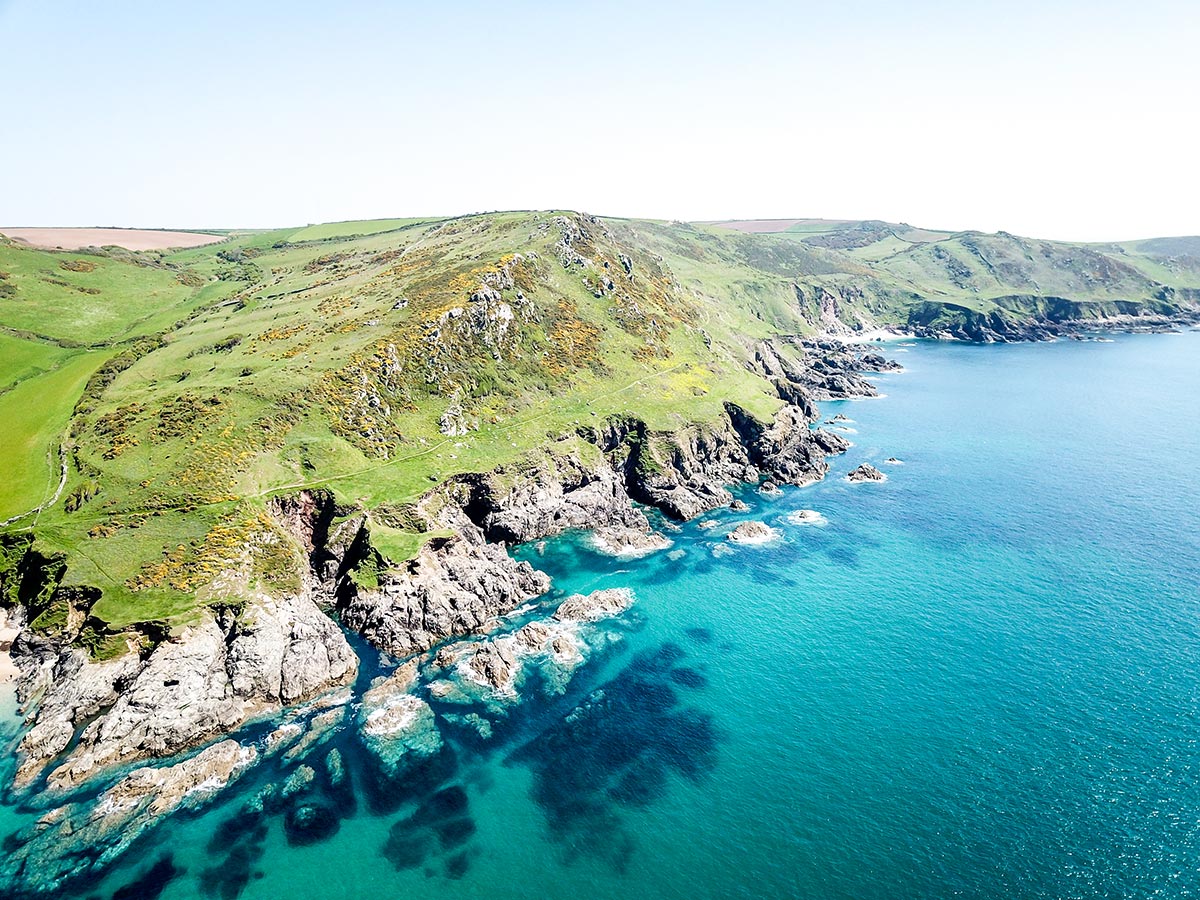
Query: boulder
(753, 533)
(628, 543)
(594, 606)
(866, 472)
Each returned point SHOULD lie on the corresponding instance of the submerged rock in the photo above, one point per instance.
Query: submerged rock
(594, 606)
(310, 823)
(628, 543)
(299, 782)
(396, 727)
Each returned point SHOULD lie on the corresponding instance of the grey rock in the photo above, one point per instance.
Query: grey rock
(866, 472)
(592, 607)
(453, 587)
(82, 839)
(617, 540)
(206, 681)
(753, 533)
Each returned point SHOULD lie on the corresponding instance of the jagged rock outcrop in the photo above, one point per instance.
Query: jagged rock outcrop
(554, 493)
(866, 472)
(628, 543)
(80, 839)
(682, 473)
(753, 533)
(205, 681)
(787, 449)
(805, 370)
(594, 606)
(452, 587)
(498, 663)
(74, 690)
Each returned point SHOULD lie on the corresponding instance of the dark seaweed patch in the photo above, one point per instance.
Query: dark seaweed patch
(235, 829)
(406, 846)
(688, 677)
(152, 882)
(442, 815)
(310, 823)
(618, 748)
(447, 803)
(457, 865)
(455, 833)
(699, 635)
(229, 878)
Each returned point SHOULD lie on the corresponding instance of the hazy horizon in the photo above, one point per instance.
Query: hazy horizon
(287, 225)
(1063, 120)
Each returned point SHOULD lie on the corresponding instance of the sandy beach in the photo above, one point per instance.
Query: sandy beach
(8, 671)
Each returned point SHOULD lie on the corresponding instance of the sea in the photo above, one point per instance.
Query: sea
(977, 679)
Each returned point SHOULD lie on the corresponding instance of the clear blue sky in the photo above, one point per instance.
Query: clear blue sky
(1058, 119)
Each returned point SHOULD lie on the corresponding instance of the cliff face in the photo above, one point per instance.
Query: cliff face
(453, 587)
(1037, 318)
(206, 680)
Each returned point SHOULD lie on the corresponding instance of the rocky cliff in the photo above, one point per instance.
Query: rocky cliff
(1039, 318)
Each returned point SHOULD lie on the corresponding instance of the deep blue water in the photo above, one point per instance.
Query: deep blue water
(978, 679)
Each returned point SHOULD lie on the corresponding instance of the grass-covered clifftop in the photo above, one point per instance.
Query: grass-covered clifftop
(375, 359)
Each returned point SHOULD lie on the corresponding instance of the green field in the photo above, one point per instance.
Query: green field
(87, 299)
(35, 414)
(351, 229)
(21, 359)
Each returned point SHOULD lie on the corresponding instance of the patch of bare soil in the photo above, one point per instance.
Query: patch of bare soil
(129, 238)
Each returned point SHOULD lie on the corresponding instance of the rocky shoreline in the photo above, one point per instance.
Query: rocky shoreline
(1051, 319)
(189, 698)
(91, 721)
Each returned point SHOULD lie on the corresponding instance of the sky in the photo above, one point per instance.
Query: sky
(1057, 119)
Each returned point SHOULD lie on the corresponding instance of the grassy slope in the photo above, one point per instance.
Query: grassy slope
(984, 272)
(326, 356)
(328, 230)
(21, 359)
(36, 412)
(87, 299)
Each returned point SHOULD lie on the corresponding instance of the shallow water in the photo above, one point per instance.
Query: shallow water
(977, 679)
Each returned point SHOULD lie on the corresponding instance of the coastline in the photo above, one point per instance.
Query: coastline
(484, 667)
(8, 633)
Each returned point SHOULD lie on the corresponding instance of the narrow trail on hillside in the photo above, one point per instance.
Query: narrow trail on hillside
(62, 483)
(320, 482)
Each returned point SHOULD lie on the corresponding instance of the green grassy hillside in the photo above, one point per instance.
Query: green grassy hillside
(375, 359)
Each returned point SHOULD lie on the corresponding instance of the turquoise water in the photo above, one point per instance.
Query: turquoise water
(979, 679)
